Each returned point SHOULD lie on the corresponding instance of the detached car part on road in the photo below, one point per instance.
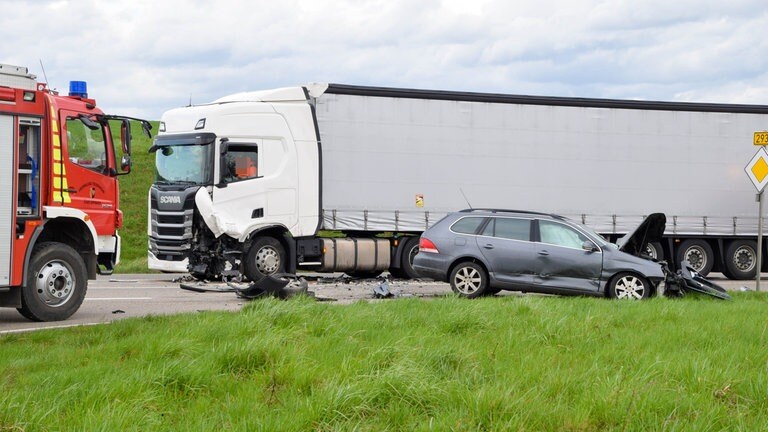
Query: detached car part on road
(483, 251)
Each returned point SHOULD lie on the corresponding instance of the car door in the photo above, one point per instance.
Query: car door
(562, 263)
(505, 243)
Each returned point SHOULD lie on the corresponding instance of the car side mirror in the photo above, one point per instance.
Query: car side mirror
(589, 246)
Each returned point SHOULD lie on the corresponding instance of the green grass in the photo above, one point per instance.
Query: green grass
(133, 203)
(510, 363)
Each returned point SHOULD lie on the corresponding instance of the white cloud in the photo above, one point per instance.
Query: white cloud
(143, 57)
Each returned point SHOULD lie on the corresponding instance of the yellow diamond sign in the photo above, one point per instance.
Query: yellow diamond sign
(757, 169)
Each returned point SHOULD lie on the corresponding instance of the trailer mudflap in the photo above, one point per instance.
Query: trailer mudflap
(687, 280)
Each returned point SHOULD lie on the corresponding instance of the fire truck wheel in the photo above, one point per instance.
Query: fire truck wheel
(265, 257)
(56, 283)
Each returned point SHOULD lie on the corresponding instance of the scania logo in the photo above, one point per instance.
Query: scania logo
(170, 199)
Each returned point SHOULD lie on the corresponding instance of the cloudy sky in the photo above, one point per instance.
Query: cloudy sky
(143, 57)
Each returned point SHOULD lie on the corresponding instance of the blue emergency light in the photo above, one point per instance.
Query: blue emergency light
(78, 89)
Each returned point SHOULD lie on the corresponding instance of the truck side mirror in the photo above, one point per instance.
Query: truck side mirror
(125, 136)
(125, 164)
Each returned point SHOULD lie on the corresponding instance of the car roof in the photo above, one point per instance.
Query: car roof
(512, 212)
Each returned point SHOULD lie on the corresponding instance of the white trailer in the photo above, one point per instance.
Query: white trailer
(263, 178)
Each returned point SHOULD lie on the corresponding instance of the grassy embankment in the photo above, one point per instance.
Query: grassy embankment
(133, 203)
(509, 363)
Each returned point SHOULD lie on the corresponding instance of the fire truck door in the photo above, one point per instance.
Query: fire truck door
(85, 178)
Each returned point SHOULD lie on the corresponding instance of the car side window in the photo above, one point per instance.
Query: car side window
(509, 228)
(467, 225)
(560, 235)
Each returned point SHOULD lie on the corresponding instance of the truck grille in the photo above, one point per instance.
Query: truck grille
(171, 234)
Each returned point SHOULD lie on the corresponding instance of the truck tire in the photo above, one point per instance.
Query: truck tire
(56, 283)
(654, 250)
(265, 257)
(469, 280)
(699, 255)
(629, 286)
(741, 260)
(410, 250)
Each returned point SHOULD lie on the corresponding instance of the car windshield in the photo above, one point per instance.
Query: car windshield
(191, 164)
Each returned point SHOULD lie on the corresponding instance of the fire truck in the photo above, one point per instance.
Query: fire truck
(59, 212)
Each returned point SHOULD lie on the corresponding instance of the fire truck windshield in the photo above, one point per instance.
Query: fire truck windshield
(191, 164)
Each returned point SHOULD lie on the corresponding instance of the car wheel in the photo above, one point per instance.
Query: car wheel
(469, 280)
(699, 255)
(266, 257)
(629, 286)
(741, 260)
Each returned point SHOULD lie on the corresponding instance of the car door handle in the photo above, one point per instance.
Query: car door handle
(488, 246)
(543, 252)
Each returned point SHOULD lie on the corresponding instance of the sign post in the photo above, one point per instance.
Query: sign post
(759, 239)
(757, 171)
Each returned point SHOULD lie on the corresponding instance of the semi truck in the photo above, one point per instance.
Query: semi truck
(344, 178)
(59, 211)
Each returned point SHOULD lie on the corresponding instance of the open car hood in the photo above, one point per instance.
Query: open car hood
(650, 230)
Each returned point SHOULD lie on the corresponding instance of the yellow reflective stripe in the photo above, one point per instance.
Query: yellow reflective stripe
(60, 183)
(56, 154)
(56, 141)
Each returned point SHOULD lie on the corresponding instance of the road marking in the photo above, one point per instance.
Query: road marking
(119, 298)
(30, 329)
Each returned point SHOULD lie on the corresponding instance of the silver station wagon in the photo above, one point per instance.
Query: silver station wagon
(483, 251)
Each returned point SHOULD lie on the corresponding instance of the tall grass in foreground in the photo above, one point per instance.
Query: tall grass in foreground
(511, 363)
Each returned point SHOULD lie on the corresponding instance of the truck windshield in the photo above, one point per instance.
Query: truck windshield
(191, 164)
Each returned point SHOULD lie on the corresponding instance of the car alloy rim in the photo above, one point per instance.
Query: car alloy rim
(467, 280)
(630, 287)
(55, 284)
(744, 259)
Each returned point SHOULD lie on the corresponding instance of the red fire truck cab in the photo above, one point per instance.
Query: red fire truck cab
(59, 194)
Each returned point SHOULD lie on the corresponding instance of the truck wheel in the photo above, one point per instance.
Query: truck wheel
(698, 253)
(56, 283)
(654, 250)
(629, 286)
(265, 257)
(469, 280)
(410, 250)
(741, 259)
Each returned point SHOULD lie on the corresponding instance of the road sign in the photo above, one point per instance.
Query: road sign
(757, 169)
(761, 138)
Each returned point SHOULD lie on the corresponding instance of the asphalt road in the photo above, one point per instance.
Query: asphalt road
(123, 296)
(115, 297)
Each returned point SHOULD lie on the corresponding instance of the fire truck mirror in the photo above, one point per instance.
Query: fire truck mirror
(125, 164)
(125, 136)
(147, 128)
